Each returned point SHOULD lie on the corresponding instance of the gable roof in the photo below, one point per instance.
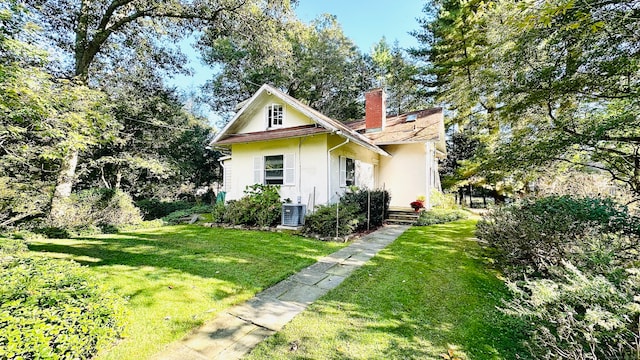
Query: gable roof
(227, 136)
(427, 125)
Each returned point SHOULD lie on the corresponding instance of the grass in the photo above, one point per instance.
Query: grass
(177, 277)
(428, 292)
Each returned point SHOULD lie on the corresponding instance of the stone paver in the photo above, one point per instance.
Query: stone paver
(233, 333)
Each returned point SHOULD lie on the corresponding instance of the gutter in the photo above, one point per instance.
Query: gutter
(329, 165)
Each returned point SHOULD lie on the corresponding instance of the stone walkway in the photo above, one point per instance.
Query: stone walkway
(234, 332)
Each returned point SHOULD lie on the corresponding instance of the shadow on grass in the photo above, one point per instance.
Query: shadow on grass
(231, 255)
(427, 292)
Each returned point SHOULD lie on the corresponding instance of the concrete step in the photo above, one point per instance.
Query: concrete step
(401, 221)
(403, 216)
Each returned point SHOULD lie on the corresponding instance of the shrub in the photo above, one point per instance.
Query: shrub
(97, 207)
(218, 211)
(323, 221)
(156, 209)
(53, 309)
(443, 201)
(439, 216)
(379, 200)
(177, 216)
(260, 206)
(580, 316)
(535, 235)
(573, 263)
(11, 246)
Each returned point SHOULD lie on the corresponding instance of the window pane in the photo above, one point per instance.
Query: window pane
(351, 172)
(274, 169)
(274, 162)
(273, 173)
(275, 114)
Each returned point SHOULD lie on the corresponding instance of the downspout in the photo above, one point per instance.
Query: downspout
(224, 176)
(329, 166)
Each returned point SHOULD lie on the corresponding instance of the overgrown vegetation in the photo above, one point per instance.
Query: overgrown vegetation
(574, 272)
(357, 210)
(53, 309)
(152, 209)
(98, 208)
(533, 236)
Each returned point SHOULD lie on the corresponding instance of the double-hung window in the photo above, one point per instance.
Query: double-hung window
(275, 115)
(274, 170)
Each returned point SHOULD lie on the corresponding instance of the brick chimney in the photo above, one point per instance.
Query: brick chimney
(375, 110)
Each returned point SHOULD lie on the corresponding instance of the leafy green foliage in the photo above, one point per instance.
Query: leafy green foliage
(361, 199)
(578, 315)
(53, 309)
(98, 207)
(178, 277)
(334, 220)
(314, 63)
(440, 216)
(538, 84)
(573, 263)
(260, 206)
(156, 209)
(398, 74)
(533, 236)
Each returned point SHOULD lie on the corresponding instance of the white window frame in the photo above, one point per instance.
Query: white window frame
(274, 116)
(347, 178)
(273, 180)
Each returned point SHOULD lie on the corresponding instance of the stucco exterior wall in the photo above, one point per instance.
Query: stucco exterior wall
(406, 174)
(257, 119)
(352, 151)
(310, 167)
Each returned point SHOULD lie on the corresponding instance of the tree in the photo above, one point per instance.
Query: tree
(147, 152)
(100, 32)
(573, 88)
(398, 74)
(554, 82)
(40, 119)
(314, 63)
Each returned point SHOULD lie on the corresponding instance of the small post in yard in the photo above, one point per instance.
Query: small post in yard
(368, 209)
(383, 201)
(337, 217)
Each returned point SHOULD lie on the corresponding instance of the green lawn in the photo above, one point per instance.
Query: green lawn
(177, 277)
(429, 291)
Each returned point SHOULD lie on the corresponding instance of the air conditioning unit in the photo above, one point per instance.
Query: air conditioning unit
(293, 214)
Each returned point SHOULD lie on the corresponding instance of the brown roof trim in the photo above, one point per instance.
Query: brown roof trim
(285, 133)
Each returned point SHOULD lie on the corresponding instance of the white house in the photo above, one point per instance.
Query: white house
(276, 139)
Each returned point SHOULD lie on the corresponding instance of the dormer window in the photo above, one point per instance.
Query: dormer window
(275, 114)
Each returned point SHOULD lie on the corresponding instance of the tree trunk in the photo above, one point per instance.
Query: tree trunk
(64, 185)
(118, 179)
(470, 196)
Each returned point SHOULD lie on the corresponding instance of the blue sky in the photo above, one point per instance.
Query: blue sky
(364, 21)
(367, 21)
